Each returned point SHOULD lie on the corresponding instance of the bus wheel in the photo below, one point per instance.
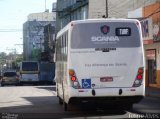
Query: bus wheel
(65, 106)
(60, 101)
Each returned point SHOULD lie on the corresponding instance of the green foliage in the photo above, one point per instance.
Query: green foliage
(16, 59)
(16, 62)
(36, 54)
(3, 56)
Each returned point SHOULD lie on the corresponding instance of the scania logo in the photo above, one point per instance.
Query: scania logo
(104, 39)
(105, 29)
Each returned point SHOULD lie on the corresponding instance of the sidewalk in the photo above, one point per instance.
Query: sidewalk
(153, 92)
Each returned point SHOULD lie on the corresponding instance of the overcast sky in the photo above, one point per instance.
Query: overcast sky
(13, 13)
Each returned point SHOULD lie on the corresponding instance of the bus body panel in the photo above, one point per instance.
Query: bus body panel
(123, 72)
(108, 68)
(100, 92)
(70, 93)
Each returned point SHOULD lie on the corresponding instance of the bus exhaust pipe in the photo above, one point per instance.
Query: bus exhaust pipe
(120, 91)
(93, 92)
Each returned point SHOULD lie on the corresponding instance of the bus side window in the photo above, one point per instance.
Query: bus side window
(58, 50)
(66, 43)
(62, 48)
(65, 52)
(55, 54)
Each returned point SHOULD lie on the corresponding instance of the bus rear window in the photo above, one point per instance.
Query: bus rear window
(30, 66)
(105, 35)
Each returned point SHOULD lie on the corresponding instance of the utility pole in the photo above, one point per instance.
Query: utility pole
(106, 8)
(45, 5)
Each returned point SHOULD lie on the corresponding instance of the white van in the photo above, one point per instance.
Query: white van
(29, 72)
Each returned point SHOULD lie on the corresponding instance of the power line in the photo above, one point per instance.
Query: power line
(114, 11)
(10, 30)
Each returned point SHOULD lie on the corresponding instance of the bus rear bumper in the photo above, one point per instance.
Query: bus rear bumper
(107, 100)
(131, 95)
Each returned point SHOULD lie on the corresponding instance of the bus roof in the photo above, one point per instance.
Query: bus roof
(94, 20)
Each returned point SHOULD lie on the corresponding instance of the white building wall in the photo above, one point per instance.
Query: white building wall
(138, 13)
(44, 16)
(97, 9)
(120, 8)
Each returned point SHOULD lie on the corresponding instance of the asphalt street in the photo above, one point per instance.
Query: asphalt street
(40, 102)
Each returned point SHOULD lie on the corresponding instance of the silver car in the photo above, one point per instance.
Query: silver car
(9, 77)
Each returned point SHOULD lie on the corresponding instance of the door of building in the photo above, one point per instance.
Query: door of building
(152, 71)
(151, 60)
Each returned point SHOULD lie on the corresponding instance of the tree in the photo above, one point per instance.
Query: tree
(3, 56)
(36, 54)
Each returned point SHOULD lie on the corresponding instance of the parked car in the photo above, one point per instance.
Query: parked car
(9, 77)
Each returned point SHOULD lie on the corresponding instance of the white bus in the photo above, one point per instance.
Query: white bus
(29, 72)
(100, 61)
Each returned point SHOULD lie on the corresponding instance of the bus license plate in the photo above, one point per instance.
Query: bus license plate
(106, 79)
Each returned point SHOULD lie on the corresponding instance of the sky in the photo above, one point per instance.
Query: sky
(13, 13)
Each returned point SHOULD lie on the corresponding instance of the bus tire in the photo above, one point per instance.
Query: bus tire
(60, 101)
(65, 106)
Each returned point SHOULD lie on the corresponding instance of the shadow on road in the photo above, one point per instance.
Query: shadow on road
(50, 88)
(47, 107)
(101, 109)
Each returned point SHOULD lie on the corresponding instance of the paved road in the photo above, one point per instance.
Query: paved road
(41, 102)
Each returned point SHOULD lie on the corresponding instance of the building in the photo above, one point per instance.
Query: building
(68, 10)
(150, 22)
(120, 8)
(43, 16)
(34, 35)
(152, 47)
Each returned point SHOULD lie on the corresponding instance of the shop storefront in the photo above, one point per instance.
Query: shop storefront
(151, 36)
(152, 56)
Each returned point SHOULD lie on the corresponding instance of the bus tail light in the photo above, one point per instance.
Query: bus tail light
(71, 72)
(139, 77)
(73, 78)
